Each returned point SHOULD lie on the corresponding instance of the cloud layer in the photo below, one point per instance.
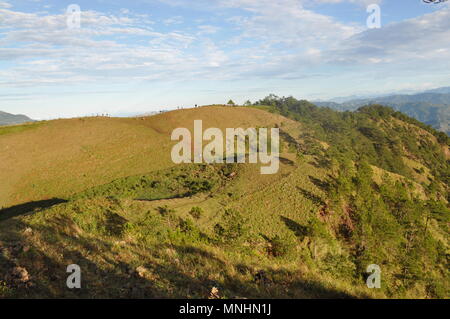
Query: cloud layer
(252, 39)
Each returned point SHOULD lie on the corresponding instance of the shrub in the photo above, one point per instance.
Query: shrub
(165, 210)
(317, 229)
(186, 225)
(105, 223)
(232, 228)
(5, 291)
(196, 212)
(197, 186)
(339, 265)
(281, 246)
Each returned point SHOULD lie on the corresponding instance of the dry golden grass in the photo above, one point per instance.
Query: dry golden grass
(62, 157)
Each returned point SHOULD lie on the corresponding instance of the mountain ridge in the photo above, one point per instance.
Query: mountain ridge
(11, 119)
(354, 189)
(430, 107)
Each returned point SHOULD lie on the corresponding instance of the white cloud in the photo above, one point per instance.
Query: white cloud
(269, 39)
(423, 38)
(288, 22)
(358, 2)
(5, 5)
(173, 20)
(45, 51)
(207, 29)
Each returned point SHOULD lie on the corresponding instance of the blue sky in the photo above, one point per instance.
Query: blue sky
(145, 55)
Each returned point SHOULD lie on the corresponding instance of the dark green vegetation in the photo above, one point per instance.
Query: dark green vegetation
(354, 189)
(175, 183)
(9, 119)
(387, 221)
(369, 133)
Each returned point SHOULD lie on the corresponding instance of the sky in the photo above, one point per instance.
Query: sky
(131, 57)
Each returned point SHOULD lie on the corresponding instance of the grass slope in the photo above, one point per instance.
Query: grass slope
(61, 157)
(103, 193)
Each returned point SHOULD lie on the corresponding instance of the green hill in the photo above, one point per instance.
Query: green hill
(353, 189)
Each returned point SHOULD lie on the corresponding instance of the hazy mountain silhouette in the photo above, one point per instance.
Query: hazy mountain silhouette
(8, 119)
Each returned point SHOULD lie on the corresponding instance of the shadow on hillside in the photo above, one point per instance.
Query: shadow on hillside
(236, 158)
(312, 197)
(299, 230)
(288, 138)
(135, 271)
(323, 185)
(321, 163)
(282, 283)
(286, 161)
(29, 207)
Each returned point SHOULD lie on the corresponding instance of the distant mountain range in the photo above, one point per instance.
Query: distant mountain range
(430, 107)
(8, 119)
(443, 90)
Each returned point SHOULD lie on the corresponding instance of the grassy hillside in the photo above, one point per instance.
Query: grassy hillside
(61, 157)
(354, 188)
